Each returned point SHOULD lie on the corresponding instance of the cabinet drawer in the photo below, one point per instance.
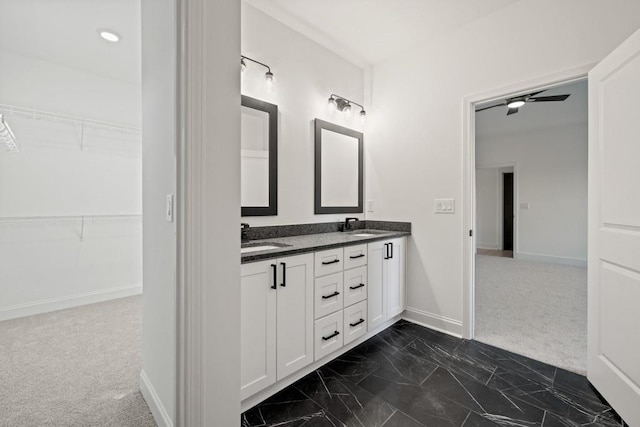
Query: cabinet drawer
(355, 285)
(355, 321)
(328, 294)
(328, 262)
(328, 334)
(355, 256)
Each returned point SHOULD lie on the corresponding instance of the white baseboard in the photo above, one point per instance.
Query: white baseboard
(153, 401)
(434, 321)
(55, 304)
(575, 262)
(493, 246)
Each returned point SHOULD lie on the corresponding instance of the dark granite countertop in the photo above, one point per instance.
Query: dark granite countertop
(315, 242)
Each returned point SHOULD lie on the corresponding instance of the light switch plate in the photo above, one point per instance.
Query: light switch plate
(445, 206)
(169, 208)
(370, 206)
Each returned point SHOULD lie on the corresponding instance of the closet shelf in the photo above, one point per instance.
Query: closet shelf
(67, 218)
(29, 113)
(77, 218)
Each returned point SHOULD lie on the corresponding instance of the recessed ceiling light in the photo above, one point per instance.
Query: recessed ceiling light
(109, 35)
(516, 104)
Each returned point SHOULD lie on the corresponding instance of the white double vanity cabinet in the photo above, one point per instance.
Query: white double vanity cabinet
(300, 311)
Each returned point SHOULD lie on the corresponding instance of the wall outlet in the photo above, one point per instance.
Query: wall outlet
(370, 206)
(445, 206)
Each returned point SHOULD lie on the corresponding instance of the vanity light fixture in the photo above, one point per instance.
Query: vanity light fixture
(343, 104)
(6, 136)
(268, 75)
(109, 35)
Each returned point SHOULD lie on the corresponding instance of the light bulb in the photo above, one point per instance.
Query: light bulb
(515, 104)
(347, 109)
(363, 114)
(332, 104)
(269, 77)
(108, 35)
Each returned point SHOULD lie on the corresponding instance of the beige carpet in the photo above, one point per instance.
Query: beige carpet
(75, 367)
(532, 308)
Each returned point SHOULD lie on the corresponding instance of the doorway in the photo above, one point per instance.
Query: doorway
(503, 300)
(507, 211)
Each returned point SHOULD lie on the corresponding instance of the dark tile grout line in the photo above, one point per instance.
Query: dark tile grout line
(465, 420)
(390, 416)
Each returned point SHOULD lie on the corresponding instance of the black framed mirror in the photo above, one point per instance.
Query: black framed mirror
(338, 169)
(259, 158)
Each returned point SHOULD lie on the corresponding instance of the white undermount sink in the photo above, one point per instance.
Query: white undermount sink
(260, 246)
(257, 248)
(366, 233)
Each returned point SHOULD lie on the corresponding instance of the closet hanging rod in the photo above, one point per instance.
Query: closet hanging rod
(67, 217)
(47, 115)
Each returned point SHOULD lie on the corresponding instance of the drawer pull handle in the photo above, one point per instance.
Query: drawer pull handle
(335, 334)
(356, 256)
(353, 325)
(361, 285)
(275, 276)
(330, 262)
(335, 294)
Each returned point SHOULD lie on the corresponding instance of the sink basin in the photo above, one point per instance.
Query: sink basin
(366, 233)
(260, 246)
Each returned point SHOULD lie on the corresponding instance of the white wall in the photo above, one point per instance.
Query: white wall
(159, 112)
(552, 180)
(54, 264)
(487, 212)
(415, 151)
(305, 75)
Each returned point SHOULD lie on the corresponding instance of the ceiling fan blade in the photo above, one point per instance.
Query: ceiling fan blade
(548, 98)
(512, 111)
(529, 95)
(493, 106)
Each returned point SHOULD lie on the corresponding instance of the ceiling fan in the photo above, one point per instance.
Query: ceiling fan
(518, 101)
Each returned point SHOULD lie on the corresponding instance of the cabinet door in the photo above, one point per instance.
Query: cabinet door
(394, 277)
(294, 314)
(257, 327)
(376, 296)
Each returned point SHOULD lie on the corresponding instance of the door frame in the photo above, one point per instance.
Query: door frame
(499, 201)
(469, 176)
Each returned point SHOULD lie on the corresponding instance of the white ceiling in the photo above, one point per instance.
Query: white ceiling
(371, 31)
(365, 31)
(536, 115)
(65, 32)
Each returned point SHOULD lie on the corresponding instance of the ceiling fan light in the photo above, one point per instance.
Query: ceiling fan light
(516, 104)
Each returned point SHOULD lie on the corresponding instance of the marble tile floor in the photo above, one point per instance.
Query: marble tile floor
(411, 376)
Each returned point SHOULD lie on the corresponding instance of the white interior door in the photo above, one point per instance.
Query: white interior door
(614, 229)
